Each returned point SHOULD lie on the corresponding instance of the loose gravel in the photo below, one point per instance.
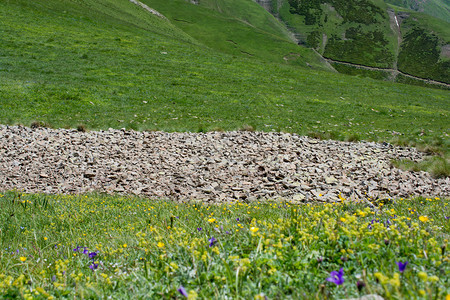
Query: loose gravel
(212, 167)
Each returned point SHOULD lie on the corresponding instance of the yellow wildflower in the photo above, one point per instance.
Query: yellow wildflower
(423, 219)
(395, 281)
(160, 244)
(423, 276)
(254, 229)
(212, 220)
(192, 295)
(381, 278)
(23, 258)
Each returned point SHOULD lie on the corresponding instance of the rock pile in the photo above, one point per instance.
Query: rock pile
(214, 166)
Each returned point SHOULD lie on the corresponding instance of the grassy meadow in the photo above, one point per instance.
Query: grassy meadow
(107, 63)
(92, 246)
(115, 66)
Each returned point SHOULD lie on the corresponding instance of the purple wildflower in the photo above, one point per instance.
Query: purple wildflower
(93, 266)
(199, 229)
(360, 285)
(447, 218)
(92, 254)
(401, 266)
(85, 251)
(76, 249)
(212, 241)
(182, 291)
(237, 219)
(227, 232)
(337, 277)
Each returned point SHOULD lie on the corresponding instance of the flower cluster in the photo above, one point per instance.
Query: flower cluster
(248, 250)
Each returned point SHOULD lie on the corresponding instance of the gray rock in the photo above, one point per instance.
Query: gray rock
(214, 166)
(298, 197)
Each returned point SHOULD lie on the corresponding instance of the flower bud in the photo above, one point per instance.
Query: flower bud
(360, 285)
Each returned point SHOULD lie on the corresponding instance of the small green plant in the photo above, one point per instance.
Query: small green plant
(38, 124)
(247, 128)
(437, 166)
(352, 138)
(81, 128)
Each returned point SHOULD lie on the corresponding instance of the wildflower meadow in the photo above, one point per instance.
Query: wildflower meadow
(95, 246)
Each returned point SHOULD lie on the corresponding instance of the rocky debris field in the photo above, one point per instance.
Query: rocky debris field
(214, 166)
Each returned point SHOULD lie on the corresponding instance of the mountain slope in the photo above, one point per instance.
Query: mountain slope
(239, 28)
(370, 33)
(110, 63)
(436, 8)
(425, 47)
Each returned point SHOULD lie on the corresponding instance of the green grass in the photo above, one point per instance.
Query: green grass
(380, 75)
(420, 53)
(251, 33)
(149, 249)
(63, 67)
(408, 80)
(100, 64)
(250, 13)
(357, 31)
(437, 8)
(437, 166)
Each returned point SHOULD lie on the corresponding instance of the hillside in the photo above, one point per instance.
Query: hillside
(425, 47)
(239, 28)
(436, 8)
(369, 34)
(110, 63)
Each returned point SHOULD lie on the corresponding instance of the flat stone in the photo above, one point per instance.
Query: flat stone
(211, 167)
(331, 180)
(299, 197)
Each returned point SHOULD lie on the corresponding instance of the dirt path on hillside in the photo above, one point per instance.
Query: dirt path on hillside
(213, 166)
(393, 71)
(150, 10)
